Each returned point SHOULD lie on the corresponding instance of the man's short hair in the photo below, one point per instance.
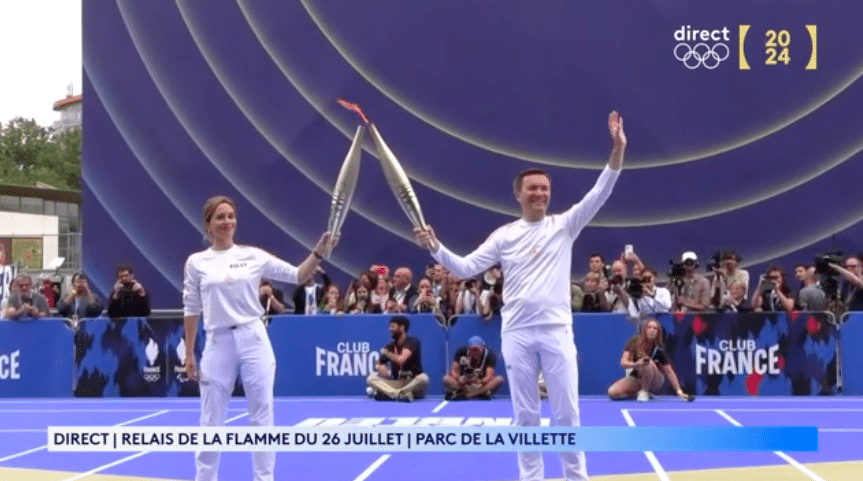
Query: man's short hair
(76, 275)
(401, 321)
(516, 183)
(124, 267)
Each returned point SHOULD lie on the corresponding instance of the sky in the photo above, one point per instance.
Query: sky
(40, 55)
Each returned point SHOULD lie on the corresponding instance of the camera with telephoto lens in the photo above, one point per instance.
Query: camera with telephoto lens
(714, 262)
(676, 273)
(829, 284)
(823, 261)
(634, 288)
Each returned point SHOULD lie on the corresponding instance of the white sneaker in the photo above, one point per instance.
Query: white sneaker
(643, 396)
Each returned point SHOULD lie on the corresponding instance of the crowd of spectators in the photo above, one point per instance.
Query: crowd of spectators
(624, 285)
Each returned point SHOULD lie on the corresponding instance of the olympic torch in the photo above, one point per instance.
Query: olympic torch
(396, 177)
(346, 183)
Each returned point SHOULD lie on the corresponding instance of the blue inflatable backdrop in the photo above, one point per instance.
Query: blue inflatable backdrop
(742, 117)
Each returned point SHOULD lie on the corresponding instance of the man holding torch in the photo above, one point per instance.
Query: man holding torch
(535, 254)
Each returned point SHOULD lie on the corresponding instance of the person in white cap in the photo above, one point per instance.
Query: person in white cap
(535, 254)
(690, 291)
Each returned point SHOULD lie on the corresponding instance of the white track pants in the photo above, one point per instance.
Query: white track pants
(248, 347)
(552, 349)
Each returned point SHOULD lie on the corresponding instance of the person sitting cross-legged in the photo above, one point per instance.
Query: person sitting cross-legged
(472, 375)
(399, 371)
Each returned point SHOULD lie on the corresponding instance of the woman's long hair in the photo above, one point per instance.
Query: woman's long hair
(640, 346)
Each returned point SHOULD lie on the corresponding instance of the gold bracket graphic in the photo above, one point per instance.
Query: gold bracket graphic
(741, 54)
(813, 55)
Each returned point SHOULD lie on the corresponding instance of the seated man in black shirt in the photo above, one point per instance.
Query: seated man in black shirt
(471, 374)
(399, 370)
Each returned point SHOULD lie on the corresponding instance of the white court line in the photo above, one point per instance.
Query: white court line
(651, 458)
(840, 430)
(381, 460)
(129, 458)
(372, 467)
(45, 446)
(106, 466)
(24, 430)
(787, 458)
(791, 410)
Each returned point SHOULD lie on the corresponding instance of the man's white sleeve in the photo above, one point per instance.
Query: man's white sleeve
(580, 214)
(485, 256)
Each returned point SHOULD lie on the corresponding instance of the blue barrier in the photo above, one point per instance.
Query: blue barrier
(35, 358)
(850, 345)
(759, 353)
(332, 355)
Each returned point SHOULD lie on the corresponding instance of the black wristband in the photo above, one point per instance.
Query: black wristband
(315, 253)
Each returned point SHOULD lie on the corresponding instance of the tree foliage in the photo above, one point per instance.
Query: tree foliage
(31, 153)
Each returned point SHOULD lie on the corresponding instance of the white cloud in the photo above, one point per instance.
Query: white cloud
(40, 54)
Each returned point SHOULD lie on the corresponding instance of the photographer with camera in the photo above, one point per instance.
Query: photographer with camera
(23, 303)
(725, 268)
(646, 298)
(79, 302)
(399, 372)
(593, 298)
(491, 293)
(650, 367)
(467, 301)
(129, 298)
(690, 290)
(471, 374)
(616, 298)
(772, 293)
(851, 291)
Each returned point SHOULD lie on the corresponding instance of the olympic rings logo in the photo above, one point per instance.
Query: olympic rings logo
(701, 55)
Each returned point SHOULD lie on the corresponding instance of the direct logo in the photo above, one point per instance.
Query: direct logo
(152, 373)
(347, 359)
(701, 48)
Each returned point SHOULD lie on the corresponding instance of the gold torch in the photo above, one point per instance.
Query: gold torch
(346, 184)
(395, 174)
